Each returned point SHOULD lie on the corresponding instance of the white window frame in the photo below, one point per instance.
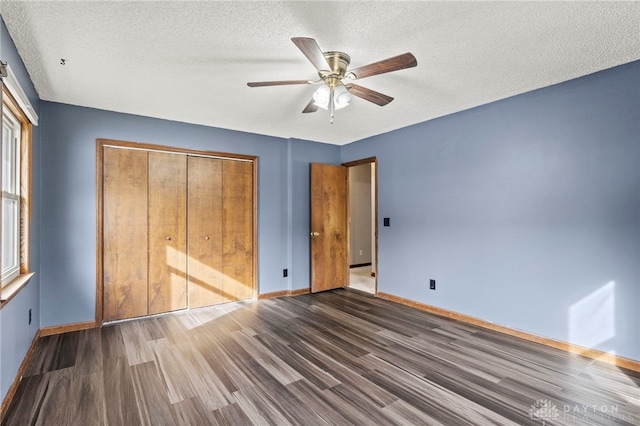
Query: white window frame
(10, 238)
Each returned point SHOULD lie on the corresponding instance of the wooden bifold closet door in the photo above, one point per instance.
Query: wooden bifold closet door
(167, 242)
(205, 232)
(220, 216)
(178, 231)
(124, 227)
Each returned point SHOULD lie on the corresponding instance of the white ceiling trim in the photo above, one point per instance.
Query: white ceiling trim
(13, 86)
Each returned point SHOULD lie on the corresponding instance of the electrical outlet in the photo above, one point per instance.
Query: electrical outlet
(285, 273)
(432, 284)
(360, 253)
(29, 316)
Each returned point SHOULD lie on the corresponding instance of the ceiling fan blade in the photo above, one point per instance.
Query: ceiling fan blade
(311, 107)
(368, 94)
(312, 51)
(406, 60)
(277, 83)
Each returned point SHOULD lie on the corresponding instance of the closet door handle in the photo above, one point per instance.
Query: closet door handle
(168, 238)
(206, 238)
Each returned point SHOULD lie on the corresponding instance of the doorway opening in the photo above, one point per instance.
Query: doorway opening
(363, 242)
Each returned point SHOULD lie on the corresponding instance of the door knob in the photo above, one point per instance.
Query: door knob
(315, 234)
(168, 238)
(206, 238)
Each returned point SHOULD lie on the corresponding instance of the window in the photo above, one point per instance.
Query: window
(10, 196)
(15, 170)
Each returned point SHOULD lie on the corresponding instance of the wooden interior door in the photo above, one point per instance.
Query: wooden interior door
(205, 231)
(329, 230)
(167, 232)
(124, 240)
(237, 231)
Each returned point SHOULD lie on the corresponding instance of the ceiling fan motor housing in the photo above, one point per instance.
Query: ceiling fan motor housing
(338, 62)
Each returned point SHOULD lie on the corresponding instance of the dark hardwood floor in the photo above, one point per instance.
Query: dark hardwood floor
(338, 357)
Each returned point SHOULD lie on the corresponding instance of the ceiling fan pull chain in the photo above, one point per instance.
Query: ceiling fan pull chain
(332, 106)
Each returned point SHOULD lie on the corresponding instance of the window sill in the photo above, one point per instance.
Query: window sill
(14, 287)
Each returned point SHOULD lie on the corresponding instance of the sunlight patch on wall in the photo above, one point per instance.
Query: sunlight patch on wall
(592, 319)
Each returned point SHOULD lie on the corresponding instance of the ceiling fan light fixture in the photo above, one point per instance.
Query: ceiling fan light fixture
(321, 96)
(341, 96)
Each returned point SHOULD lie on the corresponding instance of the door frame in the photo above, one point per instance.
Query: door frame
(368, 160)
(100, 145)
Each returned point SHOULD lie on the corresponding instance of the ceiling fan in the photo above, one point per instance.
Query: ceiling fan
(337, 89)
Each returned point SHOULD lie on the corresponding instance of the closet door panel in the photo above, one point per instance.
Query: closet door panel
(124, 233)
(205, 231)
(237, 239)
(167, 232)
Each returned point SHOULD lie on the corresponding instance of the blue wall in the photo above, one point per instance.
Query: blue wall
(16, 334)
(526, 211)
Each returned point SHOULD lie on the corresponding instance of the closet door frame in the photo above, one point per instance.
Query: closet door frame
(100, 145)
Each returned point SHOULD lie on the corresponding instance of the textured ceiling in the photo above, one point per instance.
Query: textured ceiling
(190, 61)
